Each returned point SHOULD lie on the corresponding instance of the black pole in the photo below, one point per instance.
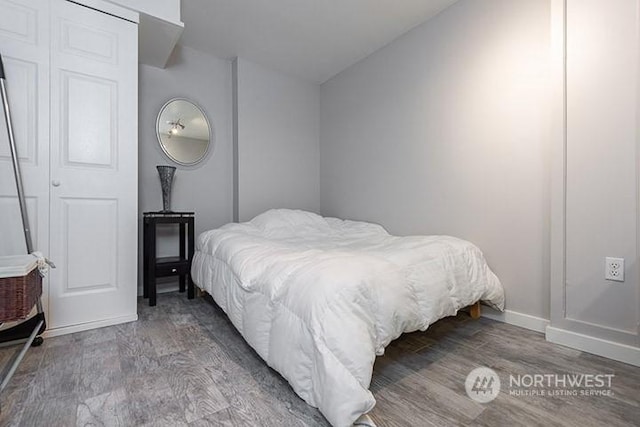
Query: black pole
(16, 164)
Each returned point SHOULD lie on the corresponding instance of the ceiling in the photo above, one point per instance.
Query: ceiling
(311, 39)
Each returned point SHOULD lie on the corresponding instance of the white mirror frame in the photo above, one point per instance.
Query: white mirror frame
(206, 119)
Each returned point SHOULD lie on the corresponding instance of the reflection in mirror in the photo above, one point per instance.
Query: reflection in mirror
(183, 131)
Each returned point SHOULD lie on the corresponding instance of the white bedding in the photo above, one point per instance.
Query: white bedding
(318, 298)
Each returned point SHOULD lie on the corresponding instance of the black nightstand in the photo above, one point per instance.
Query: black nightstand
(167, 266)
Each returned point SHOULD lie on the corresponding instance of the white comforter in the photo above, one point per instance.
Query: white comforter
(318, 298)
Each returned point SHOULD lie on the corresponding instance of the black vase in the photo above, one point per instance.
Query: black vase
(166, 180)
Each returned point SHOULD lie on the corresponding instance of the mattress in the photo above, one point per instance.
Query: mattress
(319, 298)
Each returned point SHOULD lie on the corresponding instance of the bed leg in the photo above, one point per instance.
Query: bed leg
(474, 310)
(199, 292)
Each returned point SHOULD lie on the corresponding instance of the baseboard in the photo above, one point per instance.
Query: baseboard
(90, 325)
(526, 321)
(609, 349)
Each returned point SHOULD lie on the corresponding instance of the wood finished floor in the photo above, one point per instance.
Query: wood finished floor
(183, 364)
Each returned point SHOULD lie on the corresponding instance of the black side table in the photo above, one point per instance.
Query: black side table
(167, 266)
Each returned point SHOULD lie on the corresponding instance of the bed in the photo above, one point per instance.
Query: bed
(319, 298)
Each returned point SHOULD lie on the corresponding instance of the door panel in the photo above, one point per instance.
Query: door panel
(24, 45)
(19, 20)
(93, 164)
(24, 109)
(96, 268)
(94, 121)
(89, 42)
(12, 232)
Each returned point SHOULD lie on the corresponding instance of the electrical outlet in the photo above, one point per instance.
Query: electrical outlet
(614, 269)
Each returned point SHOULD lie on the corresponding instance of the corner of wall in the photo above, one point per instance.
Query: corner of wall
(234, 89)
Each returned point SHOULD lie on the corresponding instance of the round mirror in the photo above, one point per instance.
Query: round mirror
(183, 131)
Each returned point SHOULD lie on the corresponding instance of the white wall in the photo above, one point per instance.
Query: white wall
(277, 138)
(601, 160)
(445, 131)
(598, 184)
(207, 187)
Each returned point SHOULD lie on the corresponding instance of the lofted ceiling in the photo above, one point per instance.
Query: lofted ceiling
(312, 39)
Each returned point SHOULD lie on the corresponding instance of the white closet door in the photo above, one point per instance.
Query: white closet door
(94, 158)
(24, 46)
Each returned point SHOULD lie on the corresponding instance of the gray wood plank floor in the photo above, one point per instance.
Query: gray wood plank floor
(183, 364)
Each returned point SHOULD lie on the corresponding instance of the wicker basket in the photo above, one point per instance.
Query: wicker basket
(18, 295)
